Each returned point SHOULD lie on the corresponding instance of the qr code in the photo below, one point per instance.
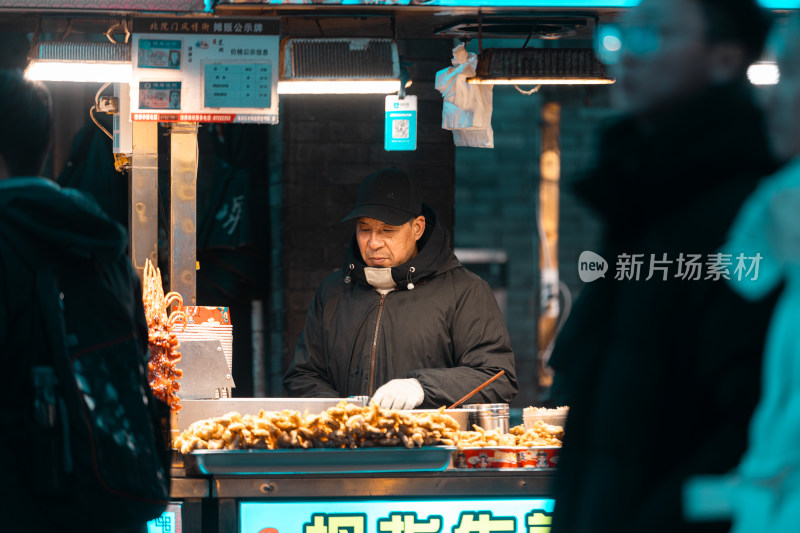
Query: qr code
(400, 129)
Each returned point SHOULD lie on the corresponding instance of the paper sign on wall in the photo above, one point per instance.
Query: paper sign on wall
(401, 123)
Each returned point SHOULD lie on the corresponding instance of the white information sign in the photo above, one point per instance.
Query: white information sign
(207, 70)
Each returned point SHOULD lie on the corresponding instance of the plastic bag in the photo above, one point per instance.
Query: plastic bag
(467, 109)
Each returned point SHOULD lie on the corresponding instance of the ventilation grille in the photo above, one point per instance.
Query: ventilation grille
(85, 52)
(372, 59)
(539, 63)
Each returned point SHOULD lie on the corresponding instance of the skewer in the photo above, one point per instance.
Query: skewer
(477, 389)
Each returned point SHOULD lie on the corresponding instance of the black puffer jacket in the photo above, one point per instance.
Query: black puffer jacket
(661, 376)
(447, 332)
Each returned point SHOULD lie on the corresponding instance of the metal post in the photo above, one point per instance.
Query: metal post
(259, 360)
(183, 211)
(143, 195)
(550, 174)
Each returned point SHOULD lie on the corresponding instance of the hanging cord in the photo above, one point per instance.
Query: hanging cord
(404, 77)
(94, 108)
(67, 31)
(528, 93)
(517, 87)
(410, 285)
(112, 29)
(530, 34)
(480, 32)
(34, 52)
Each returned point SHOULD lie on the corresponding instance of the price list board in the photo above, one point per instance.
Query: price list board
(238, 85)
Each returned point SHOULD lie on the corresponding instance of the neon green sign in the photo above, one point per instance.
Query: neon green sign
(398, 516)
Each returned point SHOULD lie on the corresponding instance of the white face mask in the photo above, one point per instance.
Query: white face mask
(379, 278)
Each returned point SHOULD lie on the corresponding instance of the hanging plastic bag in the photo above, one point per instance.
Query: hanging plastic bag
(467, 109)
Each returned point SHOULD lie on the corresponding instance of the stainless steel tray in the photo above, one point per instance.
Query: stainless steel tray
(319, 460)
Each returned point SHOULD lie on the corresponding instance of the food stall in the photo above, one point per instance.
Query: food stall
(272, 464)
(181, 66)
(369, 487)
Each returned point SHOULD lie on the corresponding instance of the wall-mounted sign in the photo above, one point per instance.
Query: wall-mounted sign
(398, 516)
(205, 70)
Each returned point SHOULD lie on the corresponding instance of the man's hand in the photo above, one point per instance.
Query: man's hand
(399, 394)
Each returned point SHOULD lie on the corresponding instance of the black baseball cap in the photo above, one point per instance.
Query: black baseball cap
(389, 195)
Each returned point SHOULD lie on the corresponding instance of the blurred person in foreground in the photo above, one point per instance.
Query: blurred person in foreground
(766, 495)
(662, 374)
(43, 224)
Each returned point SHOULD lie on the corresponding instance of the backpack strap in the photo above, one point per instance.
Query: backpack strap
(45, 374)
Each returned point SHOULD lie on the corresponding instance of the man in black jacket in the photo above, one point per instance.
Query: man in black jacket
(661, 367)
(404, 322)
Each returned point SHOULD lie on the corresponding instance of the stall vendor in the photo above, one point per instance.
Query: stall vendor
(403, 322)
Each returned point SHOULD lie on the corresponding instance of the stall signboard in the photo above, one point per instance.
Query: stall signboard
(523, 515)
(205, 70)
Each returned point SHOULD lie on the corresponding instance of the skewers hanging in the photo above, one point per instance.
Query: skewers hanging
(163, 374)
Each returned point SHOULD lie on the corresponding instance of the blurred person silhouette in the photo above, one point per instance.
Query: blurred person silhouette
(59, 254)
(766, 495)
(662, 353)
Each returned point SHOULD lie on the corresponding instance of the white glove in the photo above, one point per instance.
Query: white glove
(399, 394)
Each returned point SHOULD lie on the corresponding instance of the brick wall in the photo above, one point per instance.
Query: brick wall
(327, 145)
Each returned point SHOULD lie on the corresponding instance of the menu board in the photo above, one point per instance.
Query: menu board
(238, 85)
(205, 70)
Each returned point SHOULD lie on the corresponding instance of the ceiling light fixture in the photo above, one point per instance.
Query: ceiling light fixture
(539, 66)
(80, 62)
(340, 66)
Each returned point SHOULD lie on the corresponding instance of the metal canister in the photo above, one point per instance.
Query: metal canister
(489, 415)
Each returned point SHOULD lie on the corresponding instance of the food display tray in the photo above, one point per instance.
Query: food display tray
(318, 460)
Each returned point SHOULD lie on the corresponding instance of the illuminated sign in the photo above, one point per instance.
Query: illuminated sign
(206, 70)
(398, 516)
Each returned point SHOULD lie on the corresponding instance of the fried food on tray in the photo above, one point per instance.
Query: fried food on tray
(540, 434)
(343, 426)
(163, 375)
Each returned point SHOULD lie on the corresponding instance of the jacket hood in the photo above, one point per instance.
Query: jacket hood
(646, 172)
(435, 256)
(62, 222)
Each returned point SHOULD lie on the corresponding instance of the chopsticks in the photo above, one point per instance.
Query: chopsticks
(477, 389)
